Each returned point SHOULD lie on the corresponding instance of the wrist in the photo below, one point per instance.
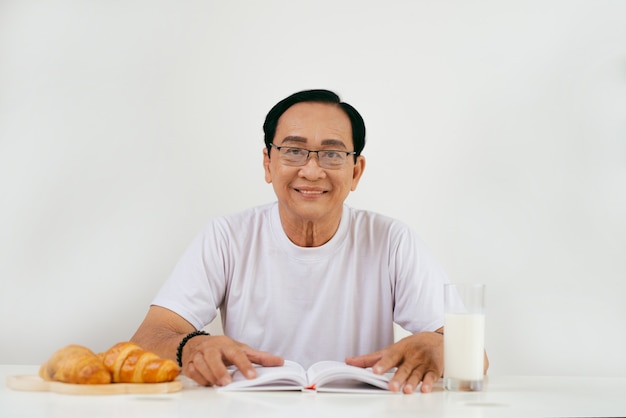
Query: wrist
(179, 350)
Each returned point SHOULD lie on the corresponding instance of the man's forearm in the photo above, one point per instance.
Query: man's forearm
(161, 332)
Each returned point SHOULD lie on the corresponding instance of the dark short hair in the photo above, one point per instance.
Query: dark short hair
(320, 96)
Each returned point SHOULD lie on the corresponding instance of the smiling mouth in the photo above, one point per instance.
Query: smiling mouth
(310, 192)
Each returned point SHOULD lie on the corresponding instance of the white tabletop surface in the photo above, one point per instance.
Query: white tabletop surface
(503, 396)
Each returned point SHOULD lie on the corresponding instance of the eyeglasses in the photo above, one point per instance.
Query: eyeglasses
(297, 157)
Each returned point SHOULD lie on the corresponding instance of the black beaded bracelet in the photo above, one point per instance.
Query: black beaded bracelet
(179, 351)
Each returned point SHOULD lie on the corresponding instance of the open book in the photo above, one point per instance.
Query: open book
(323, 376)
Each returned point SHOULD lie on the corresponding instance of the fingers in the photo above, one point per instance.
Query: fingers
(366, 360)
(207, 368)
(389, 360)
(236, 356)
(202, 376)
(413, 380)
(208, 360)
(430, 378)
(409, 380)
(264, 359)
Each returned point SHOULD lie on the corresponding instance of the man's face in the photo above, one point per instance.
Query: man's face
(311, 193)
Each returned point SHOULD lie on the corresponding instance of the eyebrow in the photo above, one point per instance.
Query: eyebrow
(302, 140)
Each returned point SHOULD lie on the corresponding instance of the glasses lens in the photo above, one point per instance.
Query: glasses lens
(293, 156)
(331, 159)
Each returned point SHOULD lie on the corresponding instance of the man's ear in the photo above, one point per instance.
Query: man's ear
(357, 171)
(266, 165)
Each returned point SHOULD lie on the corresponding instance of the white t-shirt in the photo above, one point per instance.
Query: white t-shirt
(307, 304)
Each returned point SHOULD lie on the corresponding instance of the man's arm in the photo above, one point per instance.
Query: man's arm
(205, 358)
(161, 331)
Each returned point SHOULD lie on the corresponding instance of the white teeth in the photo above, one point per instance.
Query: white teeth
(310, 192)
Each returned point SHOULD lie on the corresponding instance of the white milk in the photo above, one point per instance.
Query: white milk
(463, 346)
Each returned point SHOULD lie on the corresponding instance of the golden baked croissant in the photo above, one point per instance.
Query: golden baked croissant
(75, 364)
(129, 363)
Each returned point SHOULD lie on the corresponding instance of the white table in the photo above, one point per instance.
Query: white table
(503, 396)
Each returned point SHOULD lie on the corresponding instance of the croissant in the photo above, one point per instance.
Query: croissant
(75, 364)
(129, 363)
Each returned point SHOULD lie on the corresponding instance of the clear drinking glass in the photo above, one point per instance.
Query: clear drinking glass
(464, 336)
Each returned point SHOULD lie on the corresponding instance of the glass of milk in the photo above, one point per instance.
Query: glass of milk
(464, 336)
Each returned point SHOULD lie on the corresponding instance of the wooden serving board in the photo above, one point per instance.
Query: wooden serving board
(35, 383)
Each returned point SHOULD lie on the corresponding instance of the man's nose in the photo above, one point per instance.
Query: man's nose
(312, 167)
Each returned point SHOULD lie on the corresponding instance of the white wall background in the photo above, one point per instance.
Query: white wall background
(496, 129)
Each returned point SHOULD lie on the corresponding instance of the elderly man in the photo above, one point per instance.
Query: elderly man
(306, 278)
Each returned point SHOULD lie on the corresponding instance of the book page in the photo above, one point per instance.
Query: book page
(337, 376)
(290, 376)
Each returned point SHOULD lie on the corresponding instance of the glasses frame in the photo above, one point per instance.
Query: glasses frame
(308, 155)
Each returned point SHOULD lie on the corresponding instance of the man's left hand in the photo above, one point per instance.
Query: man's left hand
(418, 358)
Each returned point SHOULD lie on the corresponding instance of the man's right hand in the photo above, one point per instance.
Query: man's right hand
(206, 358)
